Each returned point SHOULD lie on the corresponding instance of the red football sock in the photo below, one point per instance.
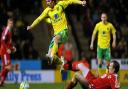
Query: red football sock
(74, 66)
(66, 66)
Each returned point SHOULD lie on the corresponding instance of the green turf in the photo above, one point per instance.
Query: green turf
(47, 86)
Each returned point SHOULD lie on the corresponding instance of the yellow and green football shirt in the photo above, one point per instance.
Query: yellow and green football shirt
(56, 15)
(104, 33)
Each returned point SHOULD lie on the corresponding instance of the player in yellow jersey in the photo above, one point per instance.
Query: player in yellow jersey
(104, 30)
(56, 16)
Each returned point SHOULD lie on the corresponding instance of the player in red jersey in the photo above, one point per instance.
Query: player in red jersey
(6, 48)
(89, 81)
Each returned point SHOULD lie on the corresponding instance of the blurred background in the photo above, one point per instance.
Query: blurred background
(33, 45)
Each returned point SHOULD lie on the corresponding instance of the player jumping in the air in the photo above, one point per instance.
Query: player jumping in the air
(55, 13)
(5, 49)
(89, 81)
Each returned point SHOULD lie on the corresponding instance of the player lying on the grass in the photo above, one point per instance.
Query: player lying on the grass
(55, 13)
(6, 48)
(89, 81)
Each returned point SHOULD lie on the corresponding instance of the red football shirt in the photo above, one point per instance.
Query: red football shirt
(107, 81)
(6, 42)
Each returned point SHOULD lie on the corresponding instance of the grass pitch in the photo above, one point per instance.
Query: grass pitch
(48, 86)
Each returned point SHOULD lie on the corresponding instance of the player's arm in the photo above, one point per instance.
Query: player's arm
(114, 36)
(4, 36)
(69, 2)
(115, 84)
(39, 19)
(93, 37)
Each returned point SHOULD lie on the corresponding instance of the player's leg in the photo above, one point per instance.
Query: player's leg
(86, 76)
(53, 48)
(55, 45)
(99, 57)
(6, 66)
(82, 81)
(78, 77)
(73, 82)
(49, 52)
(62, 37)
(63, 40)
(72, 65)
(107, 58)
(83, 76)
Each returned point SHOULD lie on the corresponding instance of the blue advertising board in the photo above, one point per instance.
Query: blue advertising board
(27, 64)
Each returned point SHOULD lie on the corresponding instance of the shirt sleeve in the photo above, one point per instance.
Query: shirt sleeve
(95, 30)
(113, 29)
(41, 17)
(7, 39)
(114, 82)
(64, 4)
(4, 34)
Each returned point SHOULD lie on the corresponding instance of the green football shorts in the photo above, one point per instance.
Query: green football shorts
(103, 53)
(63, 37)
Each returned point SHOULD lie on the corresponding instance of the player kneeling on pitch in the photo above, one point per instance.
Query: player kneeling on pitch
(89, 81)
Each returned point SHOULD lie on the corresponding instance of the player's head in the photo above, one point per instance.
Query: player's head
(114, 67)
(51, 3)
(104, 17)
(10, 23)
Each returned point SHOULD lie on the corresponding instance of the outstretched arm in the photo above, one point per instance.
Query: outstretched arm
(39, 19)
(69, 2)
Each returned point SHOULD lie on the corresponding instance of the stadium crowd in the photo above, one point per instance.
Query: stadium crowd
(88, 16)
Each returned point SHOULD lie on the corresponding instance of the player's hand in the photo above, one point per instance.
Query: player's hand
(113, 44)
(83, 3)
(29, 27)
(9, 51)
(117, 84)
(14, 49)
(91, 46)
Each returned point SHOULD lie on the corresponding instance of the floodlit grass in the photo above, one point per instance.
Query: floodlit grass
(47, 86)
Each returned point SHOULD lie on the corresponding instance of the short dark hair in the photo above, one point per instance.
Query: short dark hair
(116, 66)
(10, 19)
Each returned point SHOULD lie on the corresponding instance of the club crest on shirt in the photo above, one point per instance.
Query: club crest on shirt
(56, 16)
(104, 32)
